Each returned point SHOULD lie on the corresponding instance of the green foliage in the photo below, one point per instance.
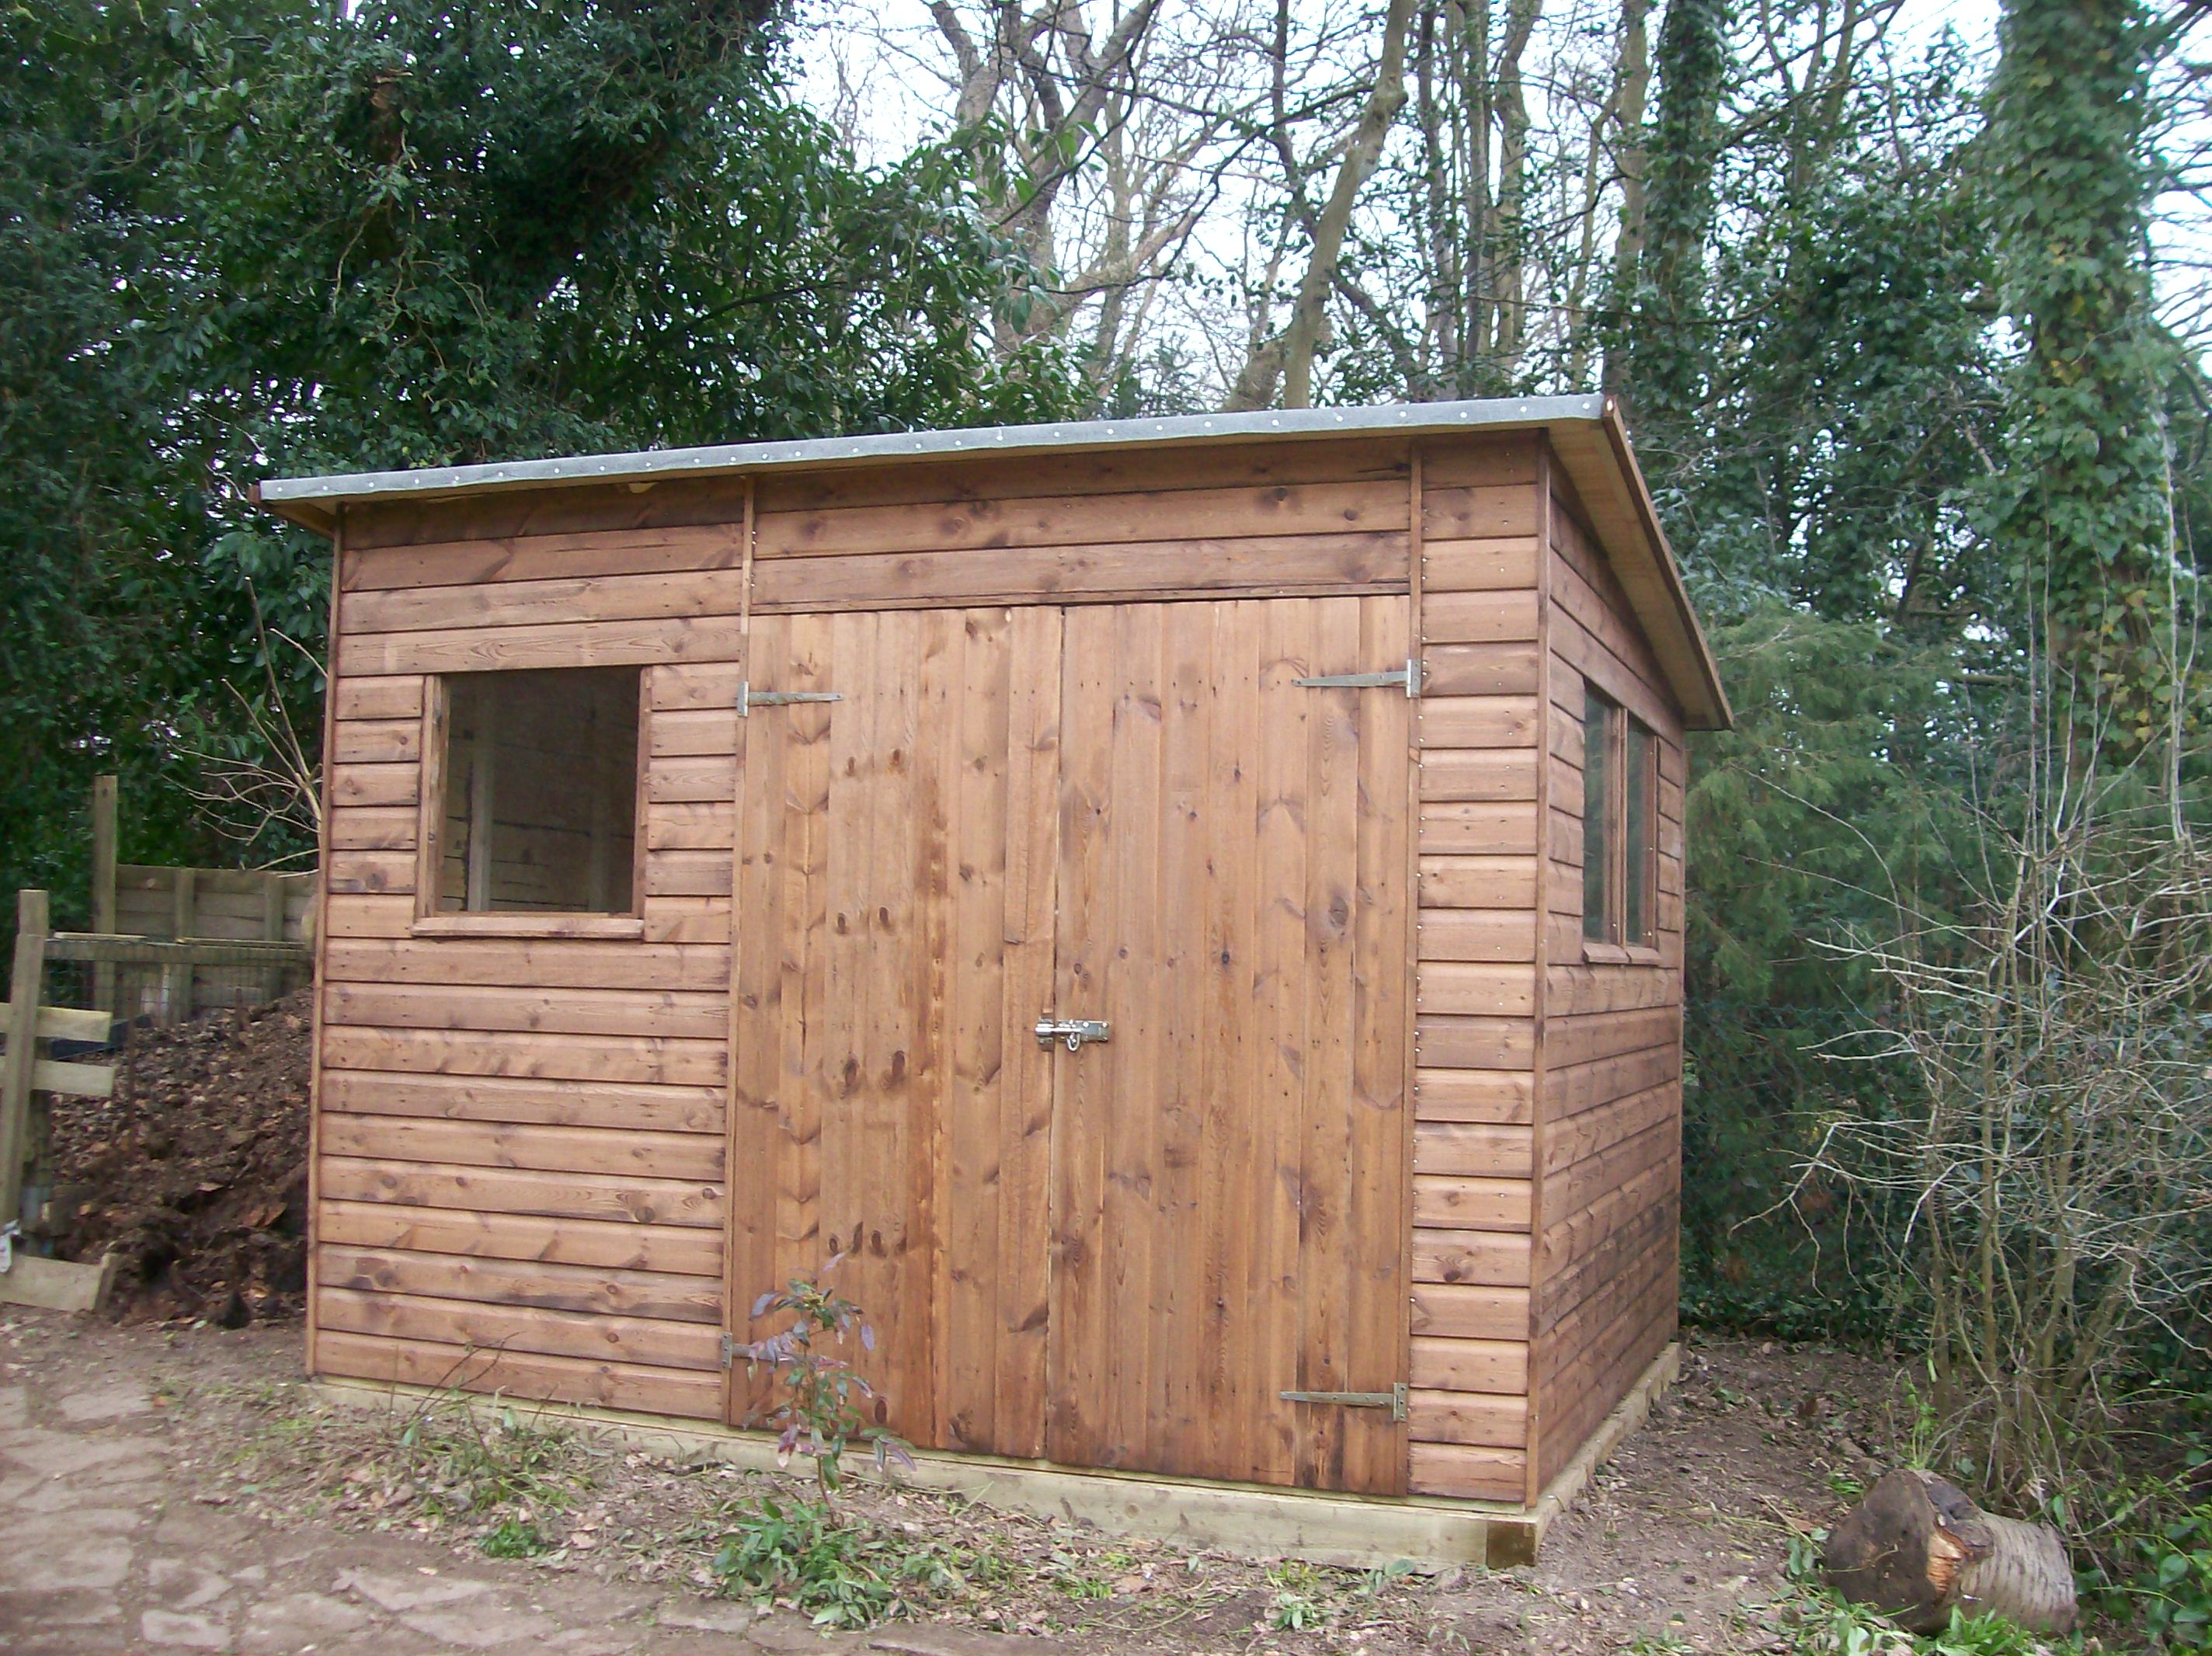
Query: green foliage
(824, 1401)
(1828, 1627)
(2078, 510)
(1298, 1604)
(1839, 781)
(841, 1573)
(841, 1576)
(2174, 1588)
(253, 236)
(514, 1537)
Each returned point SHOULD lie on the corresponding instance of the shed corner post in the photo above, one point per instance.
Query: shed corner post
(1417, 670)
(1538, 1062)
(319, 906)
(736, 1318)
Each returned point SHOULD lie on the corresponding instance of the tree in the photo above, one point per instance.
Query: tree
(2079, 509)
(263, 235)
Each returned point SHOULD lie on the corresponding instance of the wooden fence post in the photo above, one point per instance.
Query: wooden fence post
(177, 981)
(103, 883)
(26, 984)
(272, 928)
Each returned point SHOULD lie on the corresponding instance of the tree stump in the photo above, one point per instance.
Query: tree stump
(1918, 1548)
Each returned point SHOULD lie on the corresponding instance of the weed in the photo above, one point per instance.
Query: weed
(462, 1465)
(514, 1537)
(1298, 1604)
(1378, 1580)
(841, 1574)
(1827, 1626)
(1072, 1577)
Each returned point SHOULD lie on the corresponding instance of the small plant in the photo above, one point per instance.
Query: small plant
(2173, 1585)
(798, 1551)
(1298, 1604)
(463, 1465)
(514, 1537)
(819, 1412)
(841, 1574)
(1072, 1576)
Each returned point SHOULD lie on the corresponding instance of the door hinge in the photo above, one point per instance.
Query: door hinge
(749, 698)
(1407, 678)
(1393, 1399)
(729, 1350)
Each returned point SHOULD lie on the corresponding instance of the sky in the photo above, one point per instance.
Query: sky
(876, 69)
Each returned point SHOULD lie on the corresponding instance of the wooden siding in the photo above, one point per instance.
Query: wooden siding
(502, 1113)
(521, 1142)
(1479, 771)
(530, 1170)
(1610, 1097)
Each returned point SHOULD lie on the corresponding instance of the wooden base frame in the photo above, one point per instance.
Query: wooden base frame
(1248, 1519)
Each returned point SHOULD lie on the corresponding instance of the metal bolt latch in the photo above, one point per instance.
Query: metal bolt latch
(1073, 1032)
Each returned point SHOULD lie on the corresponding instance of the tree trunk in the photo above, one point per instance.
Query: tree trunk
(1916, 1549)
(1303, 337)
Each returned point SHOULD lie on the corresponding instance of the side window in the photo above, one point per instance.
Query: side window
(538, 787)
(1601, 735)
(1620, 826)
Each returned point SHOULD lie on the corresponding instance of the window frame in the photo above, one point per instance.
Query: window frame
(1611, 938)
(429, 835)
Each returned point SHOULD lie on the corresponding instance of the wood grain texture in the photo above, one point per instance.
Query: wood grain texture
(896, 886)
(1608, 1152)
(1171, 1325)
(384, 1357)
(562, 1240)
(499, 1097)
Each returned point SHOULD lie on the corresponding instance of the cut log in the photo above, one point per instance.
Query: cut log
(1918, 1548)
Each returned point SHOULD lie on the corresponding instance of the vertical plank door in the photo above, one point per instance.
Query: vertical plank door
(1229, 1169)
(893, 945)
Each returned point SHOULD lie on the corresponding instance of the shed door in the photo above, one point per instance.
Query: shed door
(1119, 1257)
(893, 945)
(1229, 1168)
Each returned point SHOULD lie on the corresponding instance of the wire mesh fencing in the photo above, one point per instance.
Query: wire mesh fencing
(144, 983)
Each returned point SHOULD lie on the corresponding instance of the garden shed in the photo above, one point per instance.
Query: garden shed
(1191, 910)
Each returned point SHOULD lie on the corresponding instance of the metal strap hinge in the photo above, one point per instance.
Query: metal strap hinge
(729, 1350)
(749, 698)
(1393, 1399)
(1407, 678)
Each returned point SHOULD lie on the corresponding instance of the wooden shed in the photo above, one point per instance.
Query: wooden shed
(1191, 908)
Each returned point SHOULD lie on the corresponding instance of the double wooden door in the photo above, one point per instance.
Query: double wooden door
(1120, 1255)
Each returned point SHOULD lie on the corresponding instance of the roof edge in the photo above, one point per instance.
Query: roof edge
(1406, 419)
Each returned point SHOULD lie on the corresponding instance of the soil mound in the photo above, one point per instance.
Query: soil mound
(197, 1170)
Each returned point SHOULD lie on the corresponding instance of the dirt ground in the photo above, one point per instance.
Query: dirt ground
(182, 1489)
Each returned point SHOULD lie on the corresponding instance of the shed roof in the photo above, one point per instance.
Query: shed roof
(1586, 433)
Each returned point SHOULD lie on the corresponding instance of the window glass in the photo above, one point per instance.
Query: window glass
(540, 788)
(1639, 839)
(1598, 716)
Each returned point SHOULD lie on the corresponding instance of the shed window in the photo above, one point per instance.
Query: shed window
(1621, 824)
(539, 783)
